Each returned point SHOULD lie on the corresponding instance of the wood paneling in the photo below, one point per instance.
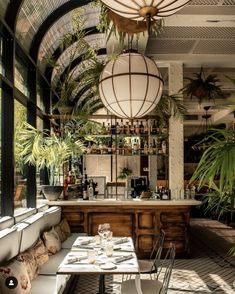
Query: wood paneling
(142, 223)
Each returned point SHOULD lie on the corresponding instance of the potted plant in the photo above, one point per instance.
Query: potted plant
(125, 172)
(203, 87)
(47, 151)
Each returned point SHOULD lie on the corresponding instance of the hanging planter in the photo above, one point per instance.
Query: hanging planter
(202, 87)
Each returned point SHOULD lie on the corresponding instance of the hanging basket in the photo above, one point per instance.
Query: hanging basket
(126, 25)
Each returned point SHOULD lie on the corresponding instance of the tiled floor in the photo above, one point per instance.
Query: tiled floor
(209, 270)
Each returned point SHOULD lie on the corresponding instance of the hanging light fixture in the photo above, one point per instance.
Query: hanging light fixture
(131, 85)
(146, 10)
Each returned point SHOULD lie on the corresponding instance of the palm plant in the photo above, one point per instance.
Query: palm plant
(37, 148)
(203, 87)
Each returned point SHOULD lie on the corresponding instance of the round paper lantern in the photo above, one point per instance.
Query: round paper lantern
(147, 9)
(131, 85)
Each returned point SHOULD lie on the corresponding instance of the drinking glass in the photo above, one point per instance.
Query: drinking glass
(91, 256)
(104, 230)
(109, 250)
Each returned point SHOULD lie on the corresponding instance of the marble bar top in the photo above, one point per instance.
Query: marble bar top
(127, 202)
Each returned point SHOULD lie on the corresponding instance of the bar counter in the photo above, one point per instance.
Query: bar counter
(140, 219)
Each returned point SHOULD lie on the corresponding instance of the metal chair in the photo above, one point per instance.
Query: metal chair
(143, 286)
(151, 266)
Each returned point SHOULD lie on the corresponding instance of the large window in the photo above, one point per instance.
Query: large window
(20, 177)
(0, 146)
(21, 75)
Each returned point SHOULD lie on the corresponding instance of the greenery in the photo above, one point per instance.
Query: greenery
(114, 25)
(39, 149)
(124, 173)
(203, 87)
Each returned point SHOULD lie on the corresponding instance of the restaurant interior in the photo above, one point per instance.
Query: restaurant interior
(117, 146)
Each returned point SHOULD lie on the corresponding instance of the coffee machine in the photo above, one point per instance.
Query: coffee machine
(136, 185)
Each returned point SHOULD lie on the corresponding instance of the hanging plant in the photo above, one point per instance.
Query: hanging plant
(114, 24)
(203, 87)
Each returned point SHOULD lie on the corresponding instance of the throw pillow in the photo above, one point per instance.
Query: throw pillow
(39, 252)
(52, 241)
(60, 233)
(30, 262)
(17, 270)
(65, 227)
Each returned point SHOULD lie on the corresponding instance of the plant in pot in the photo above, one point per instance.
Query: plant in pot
(42, 150)
(203, 87)
(216, 171)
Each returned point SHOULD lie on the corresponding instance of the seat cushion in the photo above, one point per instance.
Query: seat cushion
(44, 284)
(6, 222)
(147, 286)
(52, 241)
(67, 244)
(50, 267)
(9, 244)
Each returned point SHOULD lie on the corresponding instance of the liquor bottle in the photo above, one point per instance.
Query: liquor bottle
(154, 147)
(109, 131)
(164, 147)
(146, 127)
(150, 149)
(121, 127)
(88, 149)
(117, 128)
(137, 128)
(154, 128)
(85, 188)
(91, 189)
(135, 147)
(145, 147)
(127, 128)
(141, 146)
(103, 129)
(141, 128)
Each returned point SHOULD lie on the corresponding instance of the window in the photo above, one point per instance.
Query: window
(20, 179)
(21, 75)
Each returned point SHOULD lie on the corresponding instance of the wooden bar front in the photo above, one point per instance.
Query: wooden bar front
(142, 221)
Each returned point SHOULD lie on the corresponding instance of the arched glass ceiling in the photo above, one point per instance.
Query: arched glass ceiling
(3, 7)
(54, 35)
(96, 41)
(31, 16)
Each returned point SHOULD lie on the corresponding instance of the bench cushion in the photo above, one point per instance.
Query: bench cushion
(50, 267)
(67, 244)
(44, 284)
(51, 217)
(9, 244)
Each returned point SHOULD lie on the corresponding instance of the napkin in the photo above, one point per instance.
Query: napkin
(85, 242)
(123, 258)
(72, 259)
(120, 241)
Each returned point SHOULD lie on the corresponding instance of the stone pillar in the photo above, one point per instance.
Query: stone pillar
(176, 135)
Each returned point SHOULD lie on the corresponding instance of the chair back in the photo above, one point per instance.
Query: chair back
(157, 250)
(169, 259)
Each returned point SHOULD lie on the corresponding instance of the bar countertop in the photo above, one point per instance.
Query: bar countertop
(127, 202)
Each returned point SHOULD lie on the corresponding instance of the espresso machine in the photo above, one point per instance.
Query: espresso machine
(136, 185)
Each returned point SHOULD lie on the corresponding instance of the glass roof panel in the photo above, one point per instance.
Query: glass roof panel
(31, 15)
(55, 34)
(96, 41)
(3, 7)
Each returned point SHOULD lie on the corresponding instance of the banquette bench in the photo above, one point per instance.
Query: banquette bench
(21, 243)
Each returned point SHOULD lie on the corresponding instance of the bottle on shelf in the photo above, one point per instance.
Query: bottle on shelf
(154, 128)
(146, 127)
(109, 131)
(150, 149)
(141, 128)
(127, 128)
(103, 129)
(135, 147)
(137, 128)
(91, 189)
(187, 192)
(117, 128)
(109, 147)
(121, 127)
(141, 146)
(164, 147)
(85, 185)
(154, 146)
(145, 148)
